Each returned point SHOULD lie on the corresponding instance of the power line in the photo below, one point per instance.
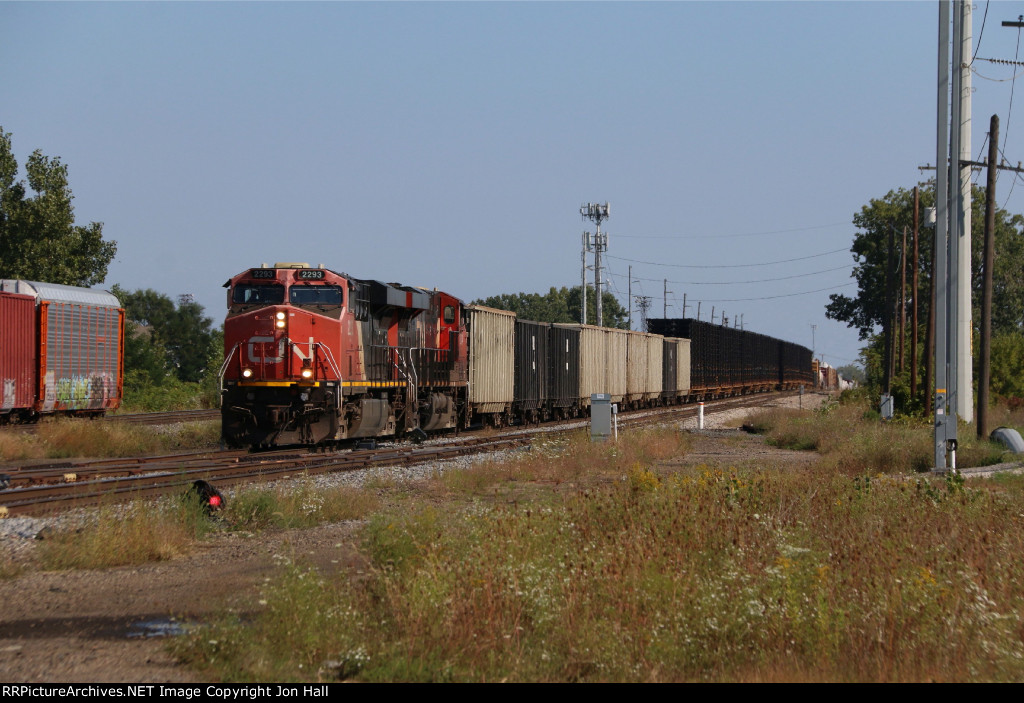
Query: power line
(728, 266)
(980, 34)
(1016, 177)
(766, 297)
(733, 283)
(1013, 85)
(773, 297)
(725, 236)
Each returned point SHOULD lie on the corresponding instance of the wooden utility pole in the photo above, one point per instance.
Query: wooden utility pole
(914, 292)
(889, 309)
(929, 334)
(903, 298)
(984, 376)
(629, 297)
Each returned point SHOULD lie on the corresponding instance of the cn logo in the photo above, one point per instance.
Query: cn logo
(260, 347)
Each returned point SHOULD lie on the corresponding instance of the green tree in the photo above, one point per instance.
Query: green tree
(167, 339)
(1008, 364)
(867, 309)
(560, 305)
(39, 240)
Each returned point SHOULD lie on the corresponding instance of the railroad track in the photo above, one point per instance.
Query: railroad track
(164, 418)
(163, 475)
(53, 487)
(154, 418)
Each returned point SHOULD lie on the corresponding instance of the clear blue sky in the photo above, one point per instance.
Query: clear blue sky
(451, 145)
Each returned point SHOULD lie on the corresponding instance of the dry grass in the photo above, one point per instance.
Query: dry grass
(612, 571)
(853, 445)
(555, 462)
(710, 575)
(123, 535)
(299, 504)
(63, 438)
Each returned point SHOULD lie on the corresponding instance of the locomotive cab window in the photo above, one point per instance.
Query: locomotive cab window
(449, 314)
(320, 298)
(257, 294)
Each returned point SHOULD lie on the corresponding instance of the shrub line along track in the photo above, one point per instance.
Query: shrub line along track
(60, 486)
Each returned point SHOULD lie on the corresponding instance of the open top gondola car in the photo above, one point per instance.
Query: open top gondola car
(313, 355)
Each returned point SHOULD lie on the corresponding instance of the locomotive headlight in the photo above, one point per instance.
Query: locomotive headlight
(307, 372)
(246, 373)
(279, 322)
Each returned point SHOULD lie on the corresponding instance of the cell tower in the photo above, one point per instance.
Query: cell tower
(643, 302)
(597, 213)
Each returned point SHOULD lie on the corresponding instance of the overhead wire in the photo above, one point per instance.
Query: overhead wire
(727, 236)
(734, 283)
(766, 297)
(728, 266)
(783, 295)
(977, 174)
(1013, 85)
(1013, 184)
(980, 34)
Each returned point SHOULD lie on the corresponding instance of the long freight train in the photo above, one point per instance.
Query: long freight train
(313, 355)
(62, 350)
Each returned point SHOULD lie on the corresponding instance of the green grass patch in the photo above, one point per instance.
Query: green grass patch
(299, 504)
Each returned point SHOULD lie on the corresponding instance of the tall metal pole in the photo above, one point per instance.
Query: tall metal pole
(598, 289)
(597, 213)
(964, 310)
(583, 288)
(956, 220)
(939, 269)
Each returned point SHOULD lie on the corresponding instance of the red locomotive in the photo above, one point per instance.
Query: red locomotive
(313, 355)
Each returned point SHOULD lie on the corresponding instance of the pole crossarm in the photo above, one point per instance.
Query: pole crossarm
(978, 166)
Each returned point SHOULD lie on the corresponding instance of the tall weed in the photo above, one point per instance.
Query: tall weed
(706, 574)
(132, 534)
(300, 504)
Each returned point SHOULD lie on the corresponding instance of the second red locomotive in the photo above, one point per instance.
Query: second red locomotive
(314, 355)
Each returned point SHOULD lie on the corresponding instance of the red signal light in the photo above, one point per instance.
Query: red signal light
(215, 501)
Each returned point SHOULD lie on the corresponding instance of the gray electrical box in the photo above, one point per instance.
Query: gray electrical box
(600, 417)
(887, 406)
